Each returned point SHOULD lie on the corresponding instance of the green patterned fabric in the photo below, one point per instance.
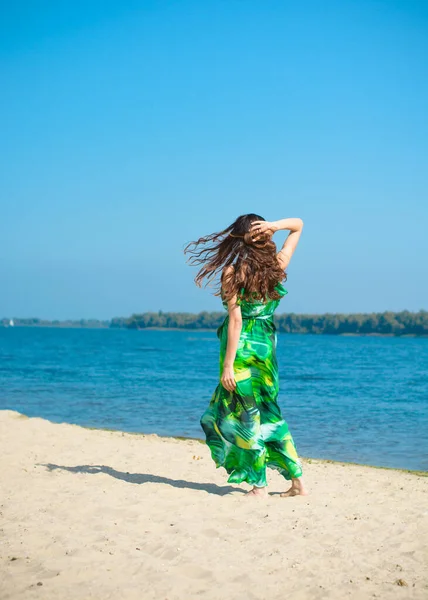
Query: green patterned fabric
(244, 429)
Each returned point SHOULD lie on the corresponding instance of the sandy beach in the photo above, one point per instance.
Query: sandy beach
(101, 514)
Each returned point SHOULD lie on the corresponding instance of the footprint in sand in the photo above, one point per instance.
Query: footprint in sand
(169, 553)
(161, 551)
(212, 533)
(234, 524)
(195, 572)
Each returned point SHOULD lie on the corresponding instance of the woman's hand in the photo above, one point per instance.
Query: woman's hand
(259, 228)
(228, 378)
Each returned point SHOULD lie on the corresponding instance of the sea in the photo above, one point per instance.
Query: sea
(352, 399)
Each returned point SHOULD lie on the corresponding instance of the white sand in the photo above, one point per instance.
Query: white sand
(98, 514)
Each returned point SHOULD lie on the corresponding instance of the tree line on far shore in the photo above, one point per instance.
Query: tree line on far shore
(385, 323)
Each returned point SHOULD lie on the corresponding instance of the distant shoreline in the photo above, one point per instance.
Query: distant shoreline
(209, 329)
(384, 324)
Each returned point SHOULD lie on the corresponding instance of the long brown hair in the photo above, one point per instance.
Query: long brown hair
(255, 264)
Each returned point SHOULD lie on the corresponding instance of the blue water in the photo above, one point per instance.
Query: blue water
(359, 399)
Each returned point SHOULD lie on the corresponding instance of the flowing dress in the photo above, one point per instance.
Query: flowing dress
(244, 428)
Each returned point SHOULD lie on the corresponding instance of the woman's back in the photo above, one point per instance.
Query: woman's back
(258, 308)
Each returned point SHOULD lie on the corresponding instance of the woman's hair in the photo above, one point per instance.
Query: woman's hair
(255, 264)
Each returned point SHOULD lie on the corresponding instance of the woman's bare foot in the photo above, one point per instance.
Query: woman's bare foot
(257, 491)
(297, 489)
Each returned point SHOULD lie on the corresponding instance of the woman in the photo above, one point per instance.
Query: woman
(244, 428)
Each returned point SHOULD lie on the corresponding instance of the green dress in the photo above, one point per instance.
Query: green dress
(244, 429)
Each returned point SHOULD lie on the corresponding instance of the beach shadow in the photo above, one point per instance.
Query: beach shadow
(140, 478)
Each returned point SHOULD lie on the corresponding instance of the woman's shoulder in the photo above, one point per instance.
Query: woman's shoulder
(227, 275)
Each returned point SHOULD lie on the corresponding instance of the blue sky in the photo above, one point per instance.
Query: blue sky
(130, 128)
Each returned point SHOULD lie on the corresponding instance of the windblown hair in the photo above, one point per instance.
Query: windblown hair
(255, 265)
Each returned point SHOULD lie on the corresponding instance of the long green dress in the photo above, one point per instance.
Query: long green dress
(244, 429)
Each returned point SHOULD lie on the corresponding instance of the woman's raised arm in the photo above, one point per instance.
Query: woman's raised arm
(294, 225)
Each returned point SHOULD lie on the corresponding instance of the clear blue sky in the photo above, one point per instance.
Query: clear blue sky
(130, 128)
